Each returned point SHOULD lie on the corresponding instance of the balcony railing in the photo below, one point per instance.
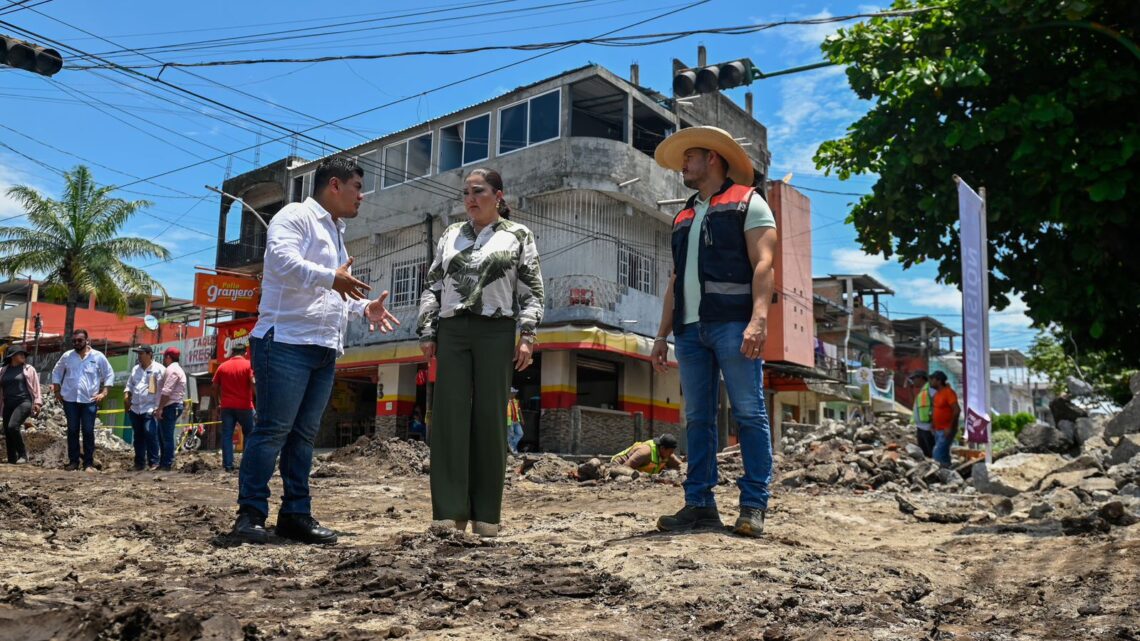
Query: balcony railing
(833, 367)
(237, 253)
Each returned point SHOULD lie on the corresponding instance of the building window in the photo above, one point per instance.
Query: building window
(530, 122)
(407, 282)
(302, 187)
(407, 160)
(363, 274)
(636, 270)
(464, 142)
(367, 162)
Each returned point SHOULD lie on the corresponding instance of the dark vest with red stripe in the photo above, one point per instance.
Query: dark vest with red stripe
(725, 271)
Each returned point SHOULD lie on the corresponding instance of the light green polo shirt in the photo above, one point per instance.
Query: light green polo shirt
(759, 215)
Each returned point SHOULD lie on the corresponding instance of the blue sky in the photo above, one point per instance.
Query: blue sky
(134, 128)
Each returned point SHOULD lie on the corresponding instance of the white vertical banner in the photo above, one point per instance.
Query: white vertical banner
(975, 313)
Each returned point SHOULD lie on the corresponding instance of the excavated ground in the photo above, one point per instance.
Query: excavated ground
(127, 555)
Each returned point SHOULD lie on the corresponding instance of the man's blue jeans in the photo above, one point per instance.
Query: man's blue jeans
(704, 350)
(144, 434)
(229, 418)
(514, 436)
(80, 416)
(293, 386)
(166, 424)
(943, 440)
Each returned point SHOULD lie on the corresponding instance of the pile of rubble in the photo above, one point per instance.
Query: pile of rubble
(390, 456)
(46, 436)
(1084, 472)
(881, 456)
(551, 468)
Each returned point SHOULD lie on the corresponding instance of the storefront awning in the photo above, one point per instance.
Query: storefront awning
(565, 337)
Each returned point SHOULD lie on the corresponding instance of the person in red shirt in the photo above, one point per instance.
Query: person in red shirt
(233, 385)
(945, 417)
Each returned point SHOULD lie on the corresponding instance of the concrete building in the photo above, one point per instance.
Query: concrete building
(575, 151)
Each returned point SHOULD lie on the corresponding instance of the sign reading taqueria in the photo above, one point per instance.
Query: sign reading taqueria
(234, 293)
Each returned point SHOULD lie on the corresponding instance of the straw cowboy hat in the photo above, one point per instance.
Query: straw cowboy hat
(670, 153)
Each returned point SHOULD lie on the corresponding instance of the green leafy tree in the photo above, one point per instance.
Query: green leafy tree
(1049, 357)
(1035, 100)
(75, 242)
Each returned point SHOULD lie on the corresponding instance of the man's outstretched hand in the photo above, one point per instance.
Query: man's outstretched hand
(347, 286)
(378, 314)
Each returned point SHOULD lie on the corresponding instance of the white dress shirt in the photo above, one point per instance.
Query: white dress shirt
(144, 386)
(81, 378)
(303, 250)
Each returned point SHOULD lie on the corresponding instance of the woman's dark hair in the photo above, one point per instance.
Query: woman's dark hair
(496, 182)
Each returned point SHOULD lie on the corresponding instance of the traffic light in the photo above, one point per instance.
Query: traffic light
(29, 57)
(726, 75)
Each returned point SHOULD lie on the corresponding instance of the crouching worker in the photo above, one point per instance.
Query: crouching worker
(650, 457)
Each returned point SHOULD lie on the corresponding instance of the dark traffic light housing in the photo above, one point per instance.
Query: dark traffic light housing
(718, 77)
(29, 57)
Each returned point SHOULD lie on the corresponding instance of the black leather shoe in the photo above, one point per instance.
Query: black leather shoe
(303, 528)
(250, 527)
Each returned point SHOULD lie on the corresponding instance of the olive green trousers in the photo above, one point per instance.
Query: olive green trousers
(474, 362)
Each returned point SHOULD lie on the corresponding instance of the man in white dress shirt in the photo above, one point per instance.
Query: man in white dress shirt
(80, 381)
(307, 295)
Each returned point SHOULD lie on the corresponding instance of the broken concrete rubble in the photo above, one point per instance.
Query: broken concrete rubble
(1015, 474)
(1043, 438)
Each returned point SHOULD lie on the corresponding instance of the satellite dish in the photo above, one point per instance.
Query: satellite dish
(150, 322)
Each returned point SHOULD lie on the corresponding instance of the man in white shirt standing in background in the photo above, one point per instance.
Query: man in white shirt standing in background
(141, 402)
(307, 294)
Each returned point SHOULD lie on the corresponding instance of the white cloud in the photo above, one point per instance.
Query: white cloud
(854, 261)
(923, 294)
(10, 176)
(810, 36)
(1013, 317)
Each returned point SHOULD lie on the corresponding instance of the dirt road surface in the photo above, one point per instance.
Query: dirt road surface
(129, 555)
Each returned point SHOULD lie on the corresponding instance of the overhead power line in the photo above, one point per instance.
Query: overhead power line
(370, 110)
(20, 5)
(336, 30)
(613, 41)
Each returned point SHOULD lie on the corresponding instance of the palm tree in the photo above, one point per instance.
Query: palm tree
(75, 242)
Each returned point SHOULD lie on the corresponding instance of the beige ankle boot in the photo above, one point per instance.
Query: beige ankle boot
(485, 529)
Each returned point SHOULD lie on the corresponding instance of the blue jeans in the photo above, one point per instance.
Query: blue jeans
(943, 440)
(80, 416)
(166, 424)
(293, 386)
(229, 417)
(704, 350)
(514, 435)
(144, 432)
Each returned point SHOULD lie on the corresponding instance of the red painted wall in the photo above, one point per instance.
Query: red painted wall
(102, 326)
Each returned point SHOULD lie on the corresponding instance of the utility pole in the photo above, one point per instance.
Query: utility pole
(27, 312)
(39, 330)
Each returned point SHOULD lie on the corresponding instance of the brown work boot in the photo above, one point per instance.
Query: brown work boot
(750, 522)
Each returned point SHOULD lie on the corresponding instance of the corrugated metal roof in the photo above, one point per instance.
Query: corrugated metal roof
(649, 94)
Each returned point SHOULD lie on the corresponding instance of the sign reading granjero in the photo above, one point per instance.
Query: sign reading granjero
(234, 293)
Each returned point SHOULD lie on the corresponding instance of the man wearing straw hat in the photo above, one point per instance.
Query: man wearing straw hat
(716, 306)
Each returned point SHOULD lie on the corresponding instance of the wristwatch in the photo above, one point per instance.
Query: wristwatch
(527, 337)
